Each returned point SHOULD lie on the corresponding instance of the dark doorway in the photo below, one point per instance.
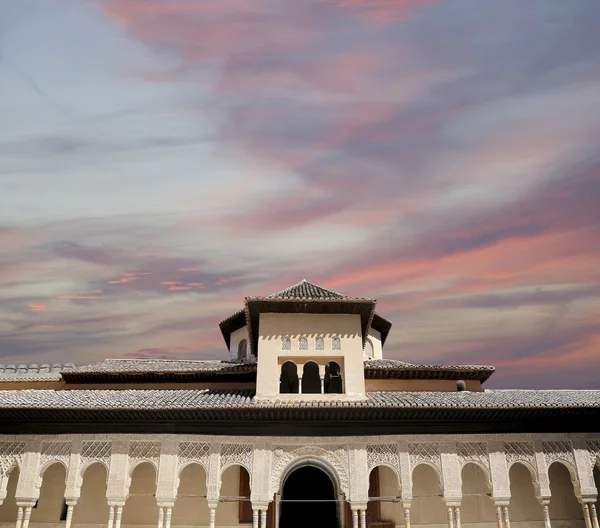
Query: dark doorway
(318, 508)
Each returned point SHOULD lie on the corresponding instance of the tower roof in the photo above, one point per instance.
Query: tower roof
(306, 290)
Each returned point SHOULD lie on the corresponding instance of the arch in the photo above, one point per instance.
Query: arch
(92, 506)
(570, 468)
(90, 463)
(484, 469)
(242, 349)
(369, 348)
(8, 508)
(190, 499)
(390, 467)
(477, 506)
(564, 504)
(333, 382)
(51, 497)
(311, 460)
(311, 379)
(524, 505)
(384, 481)
(189, 463)
(288, 379)
(47, 465)
(427, 492)
(235, 481)
(316, 489)
(133, 466)
(141, 506)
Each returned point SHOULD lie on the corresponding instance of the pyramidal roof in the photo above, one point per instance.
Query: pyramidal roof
(306, 290)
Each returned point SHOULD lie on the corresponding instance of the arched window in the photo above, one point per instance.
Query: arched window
(319, 343)
(286, 343)
(311, 380)
(333, 378)
(369, 348)
(288, 381)
(242, 349)
(336, 344)
(303, 343)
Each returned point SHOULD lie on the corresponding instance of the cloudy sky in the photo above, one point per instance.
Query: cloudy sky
(162, 159)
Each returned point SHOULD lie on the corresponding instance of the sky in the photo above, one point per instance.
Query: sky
(160, 160)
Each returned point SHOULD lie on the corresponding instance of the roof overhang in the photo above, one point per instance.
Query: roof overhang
(254, 306)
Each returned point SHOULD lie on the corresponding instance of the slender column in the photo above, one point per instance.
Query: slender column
(299, 384)
(506, 517)
(26, 516)
(161, 517)
(70, 506)
(19, 517)
(406, 516)
(168, 514)
(586, 514)
(546, 512)
(450, 517)
(111, 516)
(322, 385)
(457, 516)
(593, 515)
(213, 515)
(254, 518)
(119, 514)
(363, 518)
(499, 516)
(263, 518)
(354, 518)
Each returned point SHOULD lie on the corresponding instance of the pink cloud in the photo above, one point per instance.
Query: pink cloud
(382, 10)
(37, 307)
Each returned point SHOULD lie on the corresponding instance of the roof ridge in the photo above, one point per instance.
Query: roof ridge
(304, 281)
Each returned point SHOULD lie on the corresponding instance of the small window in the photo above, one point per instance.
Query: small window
(369, 348)
(319, 343)
(336, 343)
(286, 343)
(303, 343)
(242, 349)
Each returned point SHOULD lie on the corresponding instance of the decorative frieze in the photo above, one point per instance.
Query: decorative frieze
(10, 456)
(520, 452)
(194, 452)
(96, 451)
(473, 452)
(237, 454)
(149, 451)
(382, 454)
(55, 451)
(560, 450)
(420, 452)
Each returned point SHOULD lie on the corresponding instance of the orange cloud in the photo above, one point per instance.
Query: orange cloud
(37, 307)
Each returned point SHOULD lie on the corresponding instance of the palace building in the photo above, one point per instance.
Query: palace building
(304, 424)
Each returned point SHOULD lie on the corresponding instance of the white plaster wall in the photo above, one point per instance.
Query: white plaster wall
(270, 355)
(375, 337)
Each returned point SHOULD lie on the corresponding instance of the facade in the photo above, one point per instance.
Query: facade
(304, 424)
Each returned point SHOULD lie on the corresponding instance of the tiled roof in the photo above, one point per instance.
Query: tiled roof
(393, 369)
(306, 290)
(143, 366)
(34, 372)
(190, 399)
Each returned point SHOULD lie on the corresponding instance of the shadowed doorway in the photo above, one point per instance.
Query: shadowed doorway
(315, 490)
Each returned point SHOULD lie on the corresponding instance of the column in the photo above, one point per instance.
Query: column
(254, 518)
(354, 518)
(546, 512)
(19, 517)
(406, 515)
(70, 506)
(499, 516)
(161, 517)
(363, 518)
(111, 516)
(212, 514)
(168, 513)
(299, 384)
(457, 516)
(263, 518)
(593, 515)
(506, 517)
(586, 514)
(118, 515)
(27, 515)
(450, 517)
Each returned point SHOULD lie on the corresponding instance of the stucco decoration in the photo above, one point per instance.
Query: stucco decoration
(383, 454)
(594, 451)
(194, 452)
(424, 452)
(561, 451)
(521, 452)
(144, 451)
(11, 454)
(95, 452)
(237, 454)
(54, 452)
(335, 457)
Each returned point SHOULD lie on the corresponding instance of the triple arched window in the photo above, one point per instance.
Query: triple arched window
(311, 381)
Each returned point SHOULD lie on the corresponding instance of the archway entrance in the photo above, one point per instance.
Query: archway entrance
(308, 499)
